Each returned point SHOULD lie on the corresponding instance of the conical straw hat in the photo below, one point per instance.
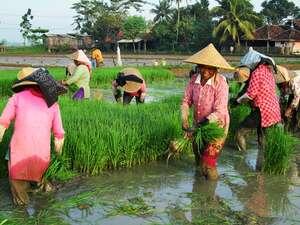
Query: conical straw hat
(283, 74)
(242, 74)
(132, 86)
(211, 57)
(80, 56)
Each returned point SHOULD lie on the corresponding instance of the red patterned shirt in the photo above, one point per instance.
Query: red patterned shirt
(262, 90)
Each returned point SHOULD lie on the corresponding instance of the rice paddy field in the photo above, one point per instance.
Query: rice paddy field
(113, 168)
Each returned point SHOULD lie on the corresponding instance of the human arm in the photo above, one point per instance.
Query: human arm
(57, 129)
(78, 72)
(185, 107)
(8, 114)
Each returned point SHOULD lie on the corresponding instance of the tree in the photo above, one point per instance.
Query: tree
(37, 35)
(133, 27)
(162, 11)
(127, 4)
(26, 25)
(178, 18)
(232, 23)
(275, 11)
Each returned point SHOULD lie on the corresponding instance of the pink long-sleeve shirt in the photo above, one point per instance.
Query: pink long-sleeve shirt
(30, 142)
(210, 100)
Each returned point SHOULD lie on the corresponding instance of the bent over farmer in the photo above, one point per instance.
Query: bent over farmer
(131, 80)
(35, 113)
(262, 91)
(207, 92)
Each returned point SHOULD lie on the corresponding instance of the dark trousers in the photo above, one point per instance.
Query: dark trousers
(127, 98)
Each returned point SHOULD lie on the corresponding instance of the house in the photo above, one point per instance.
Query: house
(284, 39)
(57, 42)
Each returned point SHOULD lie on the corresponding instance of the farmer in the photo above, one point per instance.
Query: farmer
(207, 91)
(262, 91)
(80, 76)
(289, 85)
(97, 57)
(131, 80)
(35, 113)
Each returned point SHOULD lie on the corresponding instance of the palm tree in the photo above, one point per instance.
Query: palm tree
(178, 18)
(162, 11)
(233, 23)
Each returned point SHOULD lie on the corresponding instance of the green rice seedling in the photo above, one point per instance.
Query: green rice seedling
(202, 135)
(208, 133)
(133, 206)
(237, 115)
(234, 88)
(101, 77)
(59, 169)
(278, 152)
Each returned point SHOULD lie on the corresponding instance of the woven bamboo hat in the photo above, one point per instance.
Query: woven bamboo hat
(283, 74)
(211, 57)
(242, 74)
(23, 73)
(132, 86)
(80, 56)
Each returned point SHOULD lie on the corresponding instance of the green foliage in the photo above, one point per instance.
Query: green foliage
(134, 26)
(162, 11)
(26, 25)
(279, 149)
(275, 11)
(233, 23)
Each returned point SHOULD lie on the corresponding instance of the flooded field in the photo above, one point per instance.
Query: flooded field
(173, 194)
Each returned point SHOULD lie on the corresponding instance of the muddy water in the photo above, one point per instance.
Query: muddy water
(173, 194)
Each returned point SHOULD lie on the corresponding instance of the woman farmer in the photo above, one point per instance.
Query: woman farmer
(35, 112)
(289, 85)
(131, 80)
(207, 91)
(262, 91)
(80, 76)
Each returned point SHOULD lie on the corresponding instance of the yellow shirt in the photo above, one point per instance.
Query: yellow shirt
(96, 54)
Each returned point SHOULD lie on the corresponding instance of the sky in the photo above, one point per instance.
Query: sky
(55, 15)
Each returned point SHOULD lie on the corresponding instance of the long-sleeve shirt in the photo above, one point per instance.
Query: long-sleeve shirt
(81, 78)
(262, 90)
(210, 101)
(30, 142)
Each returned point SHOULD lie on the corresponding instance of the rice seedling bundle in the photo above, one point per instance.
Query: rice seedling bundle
(279, 149)
(202, 135)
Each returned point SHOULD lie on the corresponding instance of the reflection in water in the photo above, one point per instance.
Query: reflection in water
(173, 194)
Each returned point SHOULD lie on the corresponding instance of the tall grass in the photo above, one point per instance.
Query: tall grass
(279, 149)
(101, 77)
(101, 135)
